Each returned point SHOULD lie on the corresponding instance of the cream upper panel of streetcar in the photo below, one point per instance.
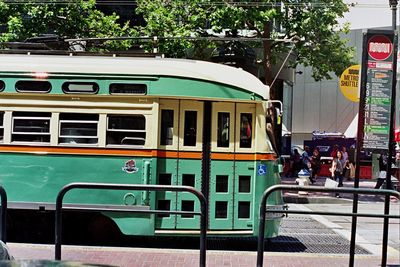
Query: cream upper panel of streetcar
(135, 66)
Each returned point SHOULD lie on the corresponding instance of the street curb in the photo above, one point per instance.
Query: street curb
(314, 200)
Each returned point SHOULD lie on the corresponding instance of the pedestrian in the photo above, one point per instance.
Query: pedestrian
(315, 164)
(295, 163)
(306, 158)
(397, 169)
(346, 170)
(382, 159)
(334, 151)
(338, 164)
(352, 162)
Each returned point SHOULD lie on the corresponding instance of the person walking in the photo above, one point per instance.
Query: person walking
(306, 159)
(382, 159)
(315, 164)
(346, 170)
(338, 165)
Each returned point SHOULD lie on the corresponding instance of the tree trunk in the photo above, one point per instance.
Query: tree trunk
(274, 128)
(267, 57)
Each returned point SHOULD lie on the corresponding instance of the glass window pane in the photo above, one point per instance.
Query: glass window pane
(163, 205)
(188, 180)
(245, 130)
(80, 87)
(244, 210)
(187, 205)
(77, 128)
(167, 127)
(221, 185)
(126, 88)
(1, 126)
(2, 86)
(221, 209)
(31, 127)
(190, 130)
(34, 126)
(33, 86)
(164, 179)
(126, 130)
(244, 184)
(223, 129)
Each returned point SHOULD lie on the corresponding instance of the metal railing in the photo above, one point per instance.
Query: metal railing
(199, 195)
(3, 218)
(354, 191)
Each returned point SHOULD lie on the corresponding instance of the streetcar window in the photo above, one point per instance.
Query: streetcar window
(190, 129)
(245, 130)
(127, 130)
(244, 210)
(2, 85)
(1, 126)
(167, 127)
(223, 129)
(187, 205)
(163, 205)
(221, 185)
(33, 86)
(188, 179)
(76, 128)
(31, 127)
(80, 87)
(221, 209)
(164, 179)
(244, 184)
(128, 88)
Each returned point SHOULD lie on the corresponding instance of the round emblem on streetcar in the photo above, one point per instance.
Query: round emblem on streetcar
(130, 166)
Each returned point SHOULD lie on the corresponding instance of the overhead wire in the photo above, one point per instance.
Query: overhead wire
(219, 3)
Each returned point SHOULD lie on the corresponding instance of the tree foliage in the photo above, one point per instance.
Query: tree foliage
(73, 19)
(312, 24)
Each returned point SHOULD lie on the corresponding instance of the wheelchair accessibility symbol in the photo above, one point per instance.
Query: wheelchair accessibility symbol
(261, 169)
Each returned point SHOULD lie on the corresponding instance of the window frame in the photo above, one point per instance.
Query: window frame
(2, 115)
(24, 117)
(60, 128)
(107, 130)
(223, 107)
(64, 87)
(32, 91)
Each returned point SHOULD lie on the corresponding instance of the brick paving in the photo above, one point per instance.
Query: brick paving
(143, 257)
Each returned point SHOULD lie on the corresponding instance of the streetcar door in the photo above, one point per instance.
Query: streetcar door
(244, 166)
(189, 160)
(167, 161)
(221, 186)
(179, 161)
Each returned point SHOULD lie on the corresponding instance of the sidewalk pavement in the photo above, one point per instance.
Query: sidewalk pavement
(369, 231)
(319, 197)
(145, 257)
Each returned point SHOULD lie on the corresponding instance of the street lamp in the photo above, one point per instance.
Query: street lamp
(393, 7)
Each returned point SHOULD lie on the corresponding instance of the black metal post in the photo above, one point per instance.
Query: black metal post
(261, 228)
(360, 137)
(3, 232)
(354, 191)
(203, 207)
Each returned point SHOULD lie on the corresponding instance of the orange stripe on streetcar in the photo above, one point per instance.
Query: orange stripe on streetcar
(135, 153)
(82, 151)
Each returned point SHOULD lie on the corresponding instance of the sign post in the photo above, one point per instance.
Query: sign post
(376, 112)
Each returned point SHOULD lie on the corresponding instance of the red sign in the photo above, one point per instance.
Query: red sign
(380, 47)
(397, 135)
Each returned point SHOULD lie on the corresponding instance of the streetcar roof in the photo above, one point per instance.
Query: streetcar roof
(184, 68)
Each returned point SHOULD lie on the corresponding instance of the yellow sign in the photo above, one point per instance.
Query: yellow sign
(348, 83)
